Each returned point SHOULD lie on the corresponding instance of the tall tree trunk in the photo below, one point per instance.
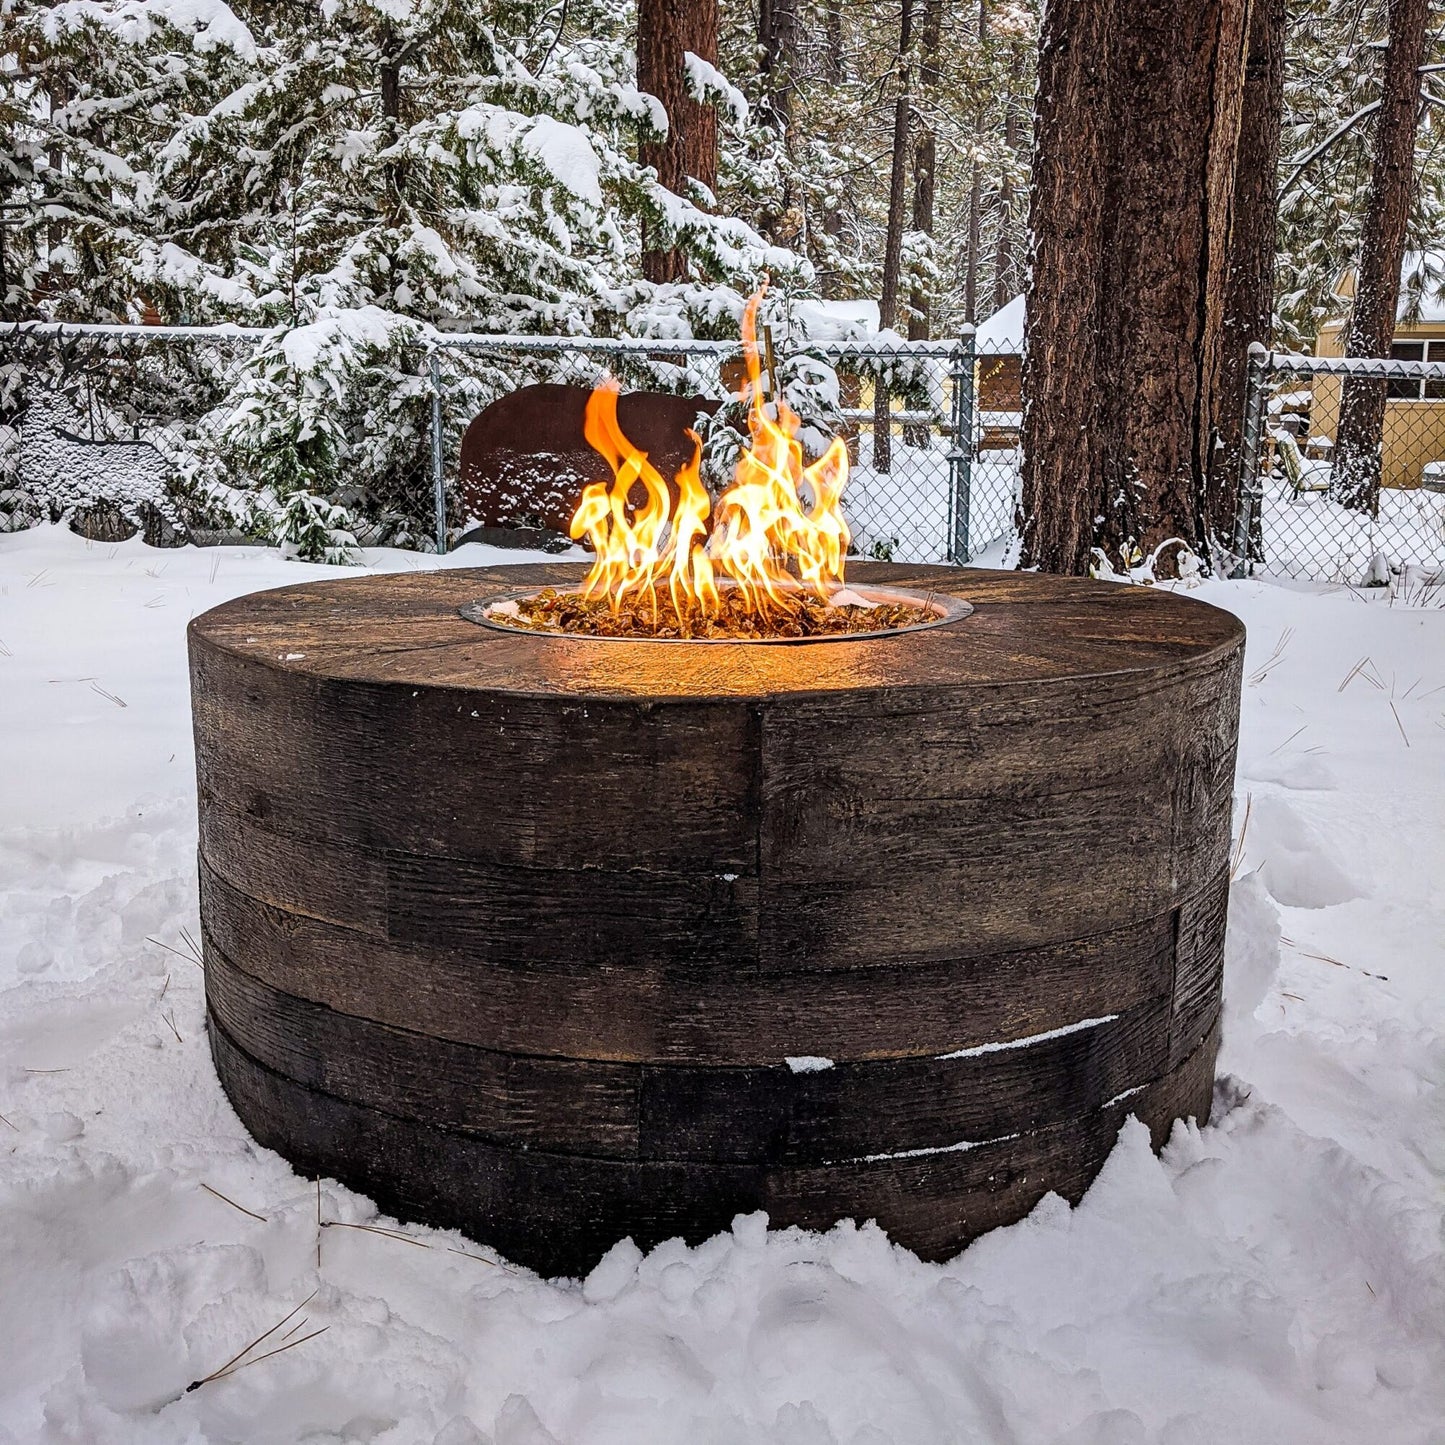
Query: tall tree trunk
(1003, 267)
(833, 39)
(778, 52)
(666, 31)
(1356, 476)
(925, 155)
(778, 63)
(59, 96)
(830, 277)
(975, 202)
(1137, 122)
(1249, 280)
(394, 171)
(893, 241)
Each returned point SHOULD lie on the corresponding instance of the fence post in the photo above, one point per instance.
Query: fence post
(960, 454)
(439, 490)
(1251, 491)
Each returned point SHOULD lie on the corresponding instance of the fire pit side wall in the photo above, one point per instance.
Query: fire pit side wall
(556, 944)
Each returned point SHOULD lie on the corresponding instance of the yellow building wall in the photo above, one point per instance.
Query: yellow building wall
(1414, 431)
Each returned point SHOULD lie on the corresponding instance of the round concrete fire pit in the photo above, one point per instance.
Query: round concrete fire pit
(559, 941)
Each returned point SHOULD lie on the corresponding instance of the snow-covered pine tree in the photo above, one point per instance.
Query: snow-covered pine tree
(1333, 75)
(342, 168)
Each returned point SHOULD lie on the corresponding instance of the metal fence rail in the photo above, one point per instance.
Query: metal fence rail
(1300, 515)
(100, 416)
(928, 496)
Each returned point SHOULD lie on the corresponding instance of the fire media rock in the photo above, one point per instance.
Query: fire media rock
(557, 940)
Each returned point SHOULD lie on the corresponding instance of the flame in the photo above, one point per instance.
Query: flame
(777, 528)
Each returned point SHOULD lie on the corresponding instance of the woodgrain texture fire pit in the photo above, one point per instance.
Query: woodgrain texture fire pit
(559, 940)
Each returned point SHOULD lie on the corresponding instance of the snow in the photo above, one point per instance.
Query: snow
(835, 321)
(568, 156)
(339, 335)
(904, 513)
(563, 150)
(992, 1048)
(808, 1064)
(705, 82)
(1275, 1277)
(210, 23)
(53, 454)
(1308, 535)
(1003, 332)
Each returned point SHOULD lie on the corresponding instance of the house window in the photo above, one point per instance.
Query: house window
(1412, 388)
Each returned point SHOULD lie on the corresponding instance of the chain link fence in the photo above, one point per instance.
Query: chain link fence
(116, 428)
(1300, 517)
(160, 428)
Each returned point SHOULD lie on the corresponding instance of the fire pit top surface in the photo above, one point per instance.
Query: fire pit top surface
(407, 628)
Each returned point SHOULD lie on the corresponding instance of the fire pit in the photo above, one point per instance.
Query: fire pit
(561, 938)
(558, 905)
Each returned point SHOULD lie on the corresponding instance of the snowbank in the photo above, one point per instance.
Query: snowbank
(1276, 1277)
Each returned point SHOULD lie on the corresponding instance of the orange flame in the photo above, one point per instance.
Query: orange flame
(778, 527)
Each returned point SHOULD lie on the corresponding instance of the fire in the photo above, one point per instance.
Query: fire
(778, 530)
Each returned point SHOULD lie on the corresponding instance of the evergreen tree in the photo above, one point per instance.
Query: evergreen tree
(1333, 79)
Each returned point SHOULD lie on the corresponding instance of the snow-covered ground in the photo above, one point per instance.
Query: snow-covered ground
(1308, 535)
(1276, 1277)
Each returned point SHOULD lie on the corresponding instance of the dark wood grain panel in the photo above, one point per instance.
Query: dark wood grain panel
(572, 1106)
(492, 913)
(494, 778)
(702, 1010)
(855, 1110)
(896, 828)
(1199, 968)
(559, 1214)
(726, 1114)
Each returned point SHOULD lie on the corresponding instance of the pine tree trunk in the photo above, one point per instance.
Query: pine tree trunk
(1356, 476)
(778, 64)
(778, 52)
(893, 242)
(391, 112)
(975, 204)
(1136, 124)
(925, 156)
(1003, 267)
(1249, 282)
(666, 31)
(833, 39)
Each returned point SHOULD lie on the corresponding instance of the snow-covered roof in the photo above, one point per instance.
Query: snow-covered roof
(1422, 273)
(836, 320)
(1003, 332)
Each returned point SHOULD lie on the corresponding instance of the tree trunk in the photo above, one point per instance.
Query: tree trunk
(1003, 267)
(666, 31)
(1356, 478)
(778, 51)
(778, 64)
(975, 202)
(55, 228)
(830, 278)
(1249, 282)
(391, 112)
(833, 39)
(893, 242)
(925, 157)
(1137, 121)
